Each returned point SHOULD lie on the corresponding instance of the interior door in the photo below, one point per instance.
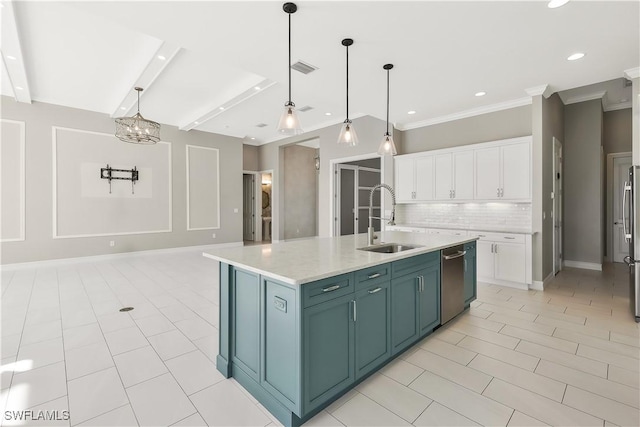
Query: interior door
(348, 211)
(248, 206)
(487, 172)
(556, 214)
(621, 167)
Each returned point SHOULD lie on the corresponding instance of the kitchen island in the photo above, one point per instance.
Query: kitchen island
(303, 322)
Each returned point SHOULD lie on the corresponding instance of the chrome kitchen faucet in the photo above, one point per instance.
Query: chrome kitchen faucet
(392, 221)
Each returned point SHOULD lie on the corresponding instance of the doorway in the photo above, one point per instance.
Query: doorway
(248, 207)
(266, 204)
(618, 164)
(556, 214)
(353, 184)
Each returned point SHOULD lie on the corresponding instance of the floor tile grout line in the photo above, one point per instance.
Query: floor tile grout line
(104, 413)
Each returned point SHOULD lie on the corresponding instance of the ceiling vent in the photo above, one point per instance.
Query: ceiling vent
(305, 108)
(261, 125)
(304, 68)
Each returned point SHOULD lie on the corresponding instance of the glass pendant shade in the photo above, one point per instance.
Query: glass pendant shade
(387, 146)
(348, 135)
(289, 123)
(136, 129)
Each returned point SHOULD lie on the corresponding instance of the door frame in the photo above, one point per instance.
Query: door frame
(557, 205)
(332, 185)
(609, 201)
(257, 208)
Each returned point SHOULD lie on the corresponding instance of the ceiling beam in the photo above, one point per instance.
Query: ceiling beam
(12, 54)
(233, 102)
(157, 64)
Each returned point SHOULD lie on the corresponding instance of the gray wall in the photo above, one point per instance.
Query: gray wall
(370, 131)
(249, 158)
(471, 130)
(617, 131)
(39, 244)
(552, 126)
(300, 188)
(583, 220)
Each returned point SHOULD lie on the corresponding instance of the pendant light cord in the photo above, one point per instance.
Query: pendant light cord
(138, 101)
(289, 65)
(387, 102)
(347, 83)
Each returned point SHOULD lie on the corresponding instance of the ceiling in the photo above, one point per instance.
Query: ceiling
(90, 55)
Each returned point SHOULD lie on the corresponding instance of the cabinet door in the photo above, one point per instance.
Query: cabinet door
(516, 171)
(404, 178)
(470, 277)
(429, 298)
(444, 176)
(404, 312)
(245, 322)
(373, 321)
(487, 173)
(328, 348)
(424, 174)
(463, 175)
(510, 262)
(484, 259)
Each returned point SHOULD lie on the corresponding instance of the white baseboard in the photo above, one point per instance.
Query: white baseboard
(538, 285)
(107, 257)
(583, 265)
(506, 283)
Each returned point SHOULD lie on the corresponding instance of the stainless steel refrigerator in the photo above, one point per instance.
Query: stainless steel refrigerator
(631, 224)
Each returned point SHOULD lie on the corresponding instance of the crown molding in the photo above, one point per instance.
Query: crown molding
(465, 114)
(582, 98)
(613, 107)
(632, 73)
(544, 90)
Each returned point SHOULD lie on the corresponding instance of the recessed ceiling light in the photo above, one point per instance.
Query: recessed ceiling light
(19, 88)
(411, 112)
(252, 138)
(575, 56)
(327, 114)
(481, 93)
(123, 108)
(162, 57)
(221, 108)
(196, 123)
(13, 58)
(556, 3)
(257, 87)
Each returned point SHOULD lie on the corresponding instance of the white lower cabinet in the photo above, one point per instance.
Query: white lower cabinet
(504, 259)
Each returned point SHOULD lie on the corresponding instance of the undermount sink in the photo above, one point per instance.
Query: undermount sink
(389, 248)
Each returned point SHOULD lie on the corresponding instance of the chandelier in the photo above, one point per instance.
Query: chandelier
(137, 129)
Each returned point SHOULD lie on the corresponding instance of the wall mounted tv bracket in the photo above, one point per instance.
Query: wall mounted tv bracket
(127, 175)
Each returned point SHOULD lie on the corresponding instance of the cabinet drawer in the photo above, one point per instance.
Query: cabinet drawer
(373, 275)
(499, 237)
(410, 265)
(327, 289)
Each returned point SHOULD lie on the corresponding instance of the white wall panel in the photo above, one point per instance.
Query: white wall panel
(203, 188)
(82, 204)
(12, 181)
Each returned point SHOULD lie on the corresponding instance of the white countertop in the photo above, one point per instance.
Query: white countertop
(465, 228)
(307, 260)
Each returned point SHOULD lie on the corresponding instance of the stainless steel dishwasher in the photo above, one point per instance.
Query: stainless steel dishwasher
(452, 283)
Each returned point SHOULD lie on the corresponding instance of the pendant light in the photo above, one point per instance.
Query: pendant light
(289, 123)
(137, 129)
(387, 146)
(348, 134)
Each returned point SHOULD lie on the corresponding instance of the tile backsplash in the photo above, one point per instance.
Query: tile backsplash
(510, 216)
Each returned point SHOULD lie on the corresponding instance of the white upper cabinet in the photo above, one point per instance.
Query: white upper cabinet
(444, 176)
(498, 170)
(503, 173)
(414, 178)
(463, 175)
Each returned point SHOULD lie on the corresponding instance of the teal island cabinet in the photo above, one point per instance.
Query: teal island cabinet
(303, 322)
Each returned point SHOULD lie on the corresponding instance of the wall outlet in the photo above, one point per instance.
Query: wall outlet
(235, 210)
(213, 235)
(112, 243)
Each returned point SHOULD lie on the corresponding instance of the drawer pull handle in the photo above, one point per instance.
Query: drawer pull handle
(482, 235)
(331, 288)
(456, 255)
(373, 291)
(373, 276)
(510, 238)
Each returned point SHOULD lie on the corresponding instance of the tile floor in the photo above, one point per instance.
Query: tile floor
(565, 356)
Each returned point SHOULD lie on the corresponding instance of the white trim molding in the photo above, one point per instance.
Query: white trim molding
(188, 170)
(54, 189)
(539, 286)
(583, 265)
(583, 98)
(632, 73)
(110, 257)
(22, 162)
(465, 114)
(543, 90)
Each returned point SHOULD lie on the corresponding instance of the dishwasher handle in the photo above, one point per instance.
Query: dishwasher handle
(454, 256)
